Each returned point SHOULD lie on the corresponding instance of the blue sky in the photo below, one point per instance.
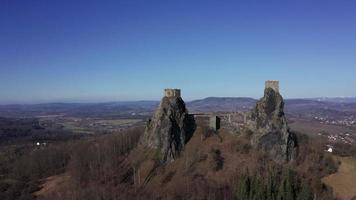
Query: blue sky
(132, 50)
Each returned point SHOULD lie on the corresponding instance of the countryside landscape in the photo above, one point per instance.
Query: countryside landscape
(47, 139)
(196, 100)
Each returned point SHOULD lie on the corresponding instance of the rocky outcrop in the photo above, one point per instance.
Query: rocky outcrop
(270, 131)
(170, 129)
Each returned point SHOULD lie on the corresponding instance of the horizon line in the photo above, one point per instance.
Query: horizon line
(157, 100)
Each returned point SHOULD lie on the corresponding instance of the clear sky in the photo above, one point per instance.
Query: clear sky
(131, 50)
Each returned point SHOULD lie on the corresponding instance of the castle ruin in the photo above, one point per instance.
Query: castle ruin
(214, 123)
(170, 128)
(272, 84)
(172, 92)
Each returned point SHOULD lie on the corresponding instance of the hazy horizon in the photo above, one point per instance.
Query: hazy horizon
(87, 51)
(94, 101)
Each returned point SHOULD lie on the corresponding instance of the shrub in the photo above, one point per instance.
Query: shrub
(217, 161)
(207, 132)
(329, 164)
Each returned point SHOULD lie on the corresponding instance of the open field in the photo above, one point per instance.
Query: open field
(118, 122)
(344, 181)
(313, 128)
(89, 125)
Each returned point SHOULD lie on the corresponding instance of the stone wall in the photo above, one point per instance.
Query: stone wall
(214, 123)
(273, 84)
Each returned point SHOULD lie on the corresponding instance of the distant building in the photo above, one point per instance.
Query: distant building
(272, 84)
(172, 92)
(330, 150)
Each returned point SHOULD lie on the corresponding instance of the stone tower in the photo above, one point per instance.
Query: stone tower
(272, 84)
(172, 92)
(170, 128)
(269, 125)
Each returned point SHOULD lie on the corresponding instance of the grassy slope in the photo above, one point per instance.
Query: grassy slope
(344, 181)
(193, 176)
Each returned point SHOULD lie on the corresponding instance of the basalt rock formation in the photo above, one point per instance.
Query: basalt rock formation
(170, 129)
(270, 131)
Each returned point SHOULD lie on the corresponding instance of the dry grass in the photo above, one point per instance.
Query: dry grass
(344, 181)
(193, 175)
(52, 185)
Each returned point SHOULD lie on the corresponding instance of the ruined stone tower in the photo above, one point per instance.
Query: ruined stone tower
(269, 125)
(272, 84)
(170, 128)
(172, 92)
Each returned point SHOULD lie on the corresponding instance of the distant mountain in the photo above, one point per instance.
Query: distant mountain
(331, 110)
(110, 109)
(223, 104)
(331, 107)
(304, 108)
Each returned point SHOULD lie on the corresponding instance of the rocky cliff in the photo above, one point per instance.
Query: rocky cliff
(170, 128)
(270, 131)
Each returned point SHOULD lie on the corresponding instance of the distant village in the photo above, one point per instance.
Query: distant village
(347, 121)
